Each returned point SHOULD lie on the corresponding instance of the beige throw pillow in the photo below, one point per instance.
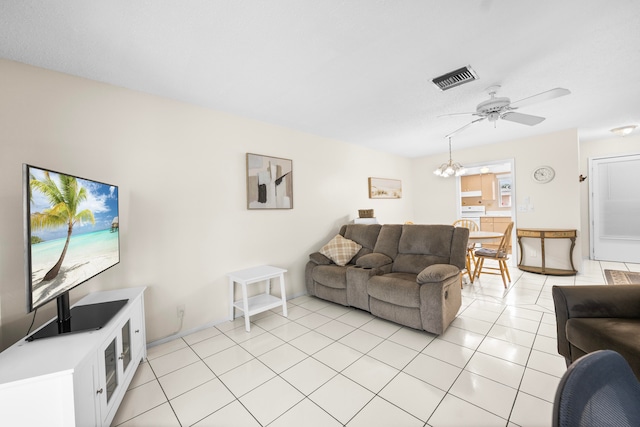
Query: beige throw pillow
(340, 250)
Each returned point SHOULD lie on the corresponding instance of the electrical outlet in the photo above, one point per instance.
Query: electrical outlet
(533, 253)
(180, 311)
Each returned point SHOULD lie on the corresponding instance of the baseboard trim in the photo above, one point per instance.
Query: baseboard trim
(200, 328)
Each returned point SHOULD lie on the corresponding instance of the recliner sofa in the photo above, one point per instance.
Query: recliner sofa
(408, 274)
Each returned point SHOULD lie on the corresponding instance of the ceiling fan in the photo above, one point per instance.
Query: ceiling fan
(502, 108)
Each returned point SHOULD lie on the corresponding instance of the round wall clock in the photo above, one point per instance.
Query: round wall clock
(543, 174)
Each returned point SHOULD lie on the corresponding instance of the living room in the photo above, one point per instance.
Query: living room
(184, 261)
(181, 172)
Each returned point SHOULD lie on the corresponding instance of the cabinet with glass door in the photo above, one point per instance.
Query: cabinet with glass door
(114, 360)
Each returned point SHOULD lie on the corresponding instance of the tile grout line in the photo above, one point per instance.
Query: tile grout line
(448, 391)
(475, 298)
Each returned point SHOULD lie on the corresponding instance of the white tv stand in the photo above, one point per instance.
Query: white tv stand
(76, 379)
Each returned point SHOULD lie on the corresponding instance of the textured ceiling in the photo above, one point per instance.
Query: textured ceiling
(359, 70)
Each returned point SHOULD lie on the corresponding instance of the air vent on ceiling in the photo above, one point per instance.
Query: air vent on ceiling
(455, 78)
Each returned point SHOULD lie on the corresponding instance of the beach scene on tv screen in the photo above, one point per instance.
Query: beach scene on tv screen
(74, 231)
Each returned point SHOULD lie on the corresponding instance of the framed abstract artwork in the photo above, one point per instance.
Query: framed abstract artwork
(269, 182)
(382, 188)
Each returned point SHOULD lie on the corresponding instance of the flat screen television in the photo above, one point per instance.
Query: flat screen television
(71, 234)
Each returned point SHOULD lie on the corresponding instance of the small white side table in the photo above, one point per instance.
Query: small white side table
(258, 303)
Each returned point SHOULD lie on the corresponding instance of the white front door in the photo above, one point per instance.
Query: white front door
(615, 208)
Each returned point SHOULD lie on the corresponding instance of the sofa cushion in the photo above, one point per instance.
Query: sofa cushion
(388, 240)
(421, 246)
(413, 263)
(340, 250)
(363, 234)
(591, 334)
(587, 335)
(395, 288)
(432, 240)
(332, 276)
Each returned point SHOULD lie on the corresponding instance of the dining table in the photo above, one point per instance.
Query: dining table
(479, 236)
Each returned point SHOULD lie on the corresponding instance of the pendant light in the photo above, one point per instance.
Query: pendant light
(450, 169)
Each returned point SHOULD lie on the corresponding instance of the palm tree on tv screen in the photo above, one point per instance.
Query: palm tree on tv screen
(64, 202)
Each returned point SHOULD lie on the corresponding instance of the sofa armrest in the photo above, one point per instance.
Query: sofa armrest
(374, 260)
(608, 301)
(319, 259)
(437, 273)
(440, 296)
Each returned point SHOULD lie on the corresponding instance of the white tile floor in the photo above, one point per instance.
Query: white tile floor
(328, 365)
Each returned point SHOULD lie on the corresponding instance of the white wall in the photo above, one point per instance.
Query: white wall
(614, 146)
(181, 175)
(181, 172)
(555, 204)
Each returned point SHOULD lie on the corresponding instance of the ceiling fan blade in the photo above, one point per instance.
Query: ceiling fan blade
(524, 119)
(464, 127)
(544, 96)
(456, 114)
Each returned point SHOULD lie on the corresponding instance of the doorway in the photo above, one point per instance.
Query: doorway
(498, 198)
(615, 208)
(486, 194)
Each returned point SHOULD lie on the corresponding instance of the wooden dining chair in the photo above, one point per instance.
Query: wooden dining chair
(472, 226)
(501, 255)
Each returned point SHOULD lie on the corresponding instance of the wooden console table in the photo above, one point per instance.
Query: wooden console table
(547, 233)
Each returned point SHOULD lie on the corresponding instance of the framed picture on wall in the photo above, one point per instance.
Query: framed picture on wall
(382, 188)
(269, 182)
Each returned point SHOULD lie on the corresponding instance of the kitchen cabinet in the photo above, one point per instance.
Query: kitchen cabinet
(500, 224)
(488, 186)
(470, 183)
(482, 186)
(496, 224)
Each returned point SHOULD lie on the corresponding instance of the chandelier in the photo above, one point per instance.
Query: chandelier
(449, 169)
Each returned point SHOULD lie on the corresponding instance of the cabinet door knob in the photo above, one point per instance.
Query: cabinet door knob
(121, 356)
(99, 391)
(137, 331)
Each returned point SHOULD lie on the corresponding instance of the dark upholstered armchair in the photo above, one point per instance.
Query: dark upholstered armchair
(595, 317)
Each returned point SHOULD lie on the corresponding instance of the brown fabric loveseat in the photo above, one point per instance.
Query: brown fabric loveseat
(594, 317)
(409, 274)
